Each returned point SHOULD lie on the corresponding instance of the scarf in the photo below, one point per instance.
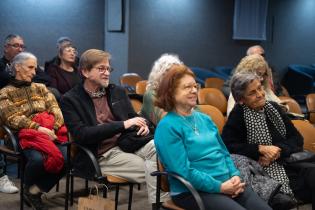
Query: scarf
(258, 133)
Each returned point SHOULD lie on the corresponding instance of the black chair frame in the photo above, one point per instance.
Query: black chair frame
(187, 184)
(98, 177)
(13, 150)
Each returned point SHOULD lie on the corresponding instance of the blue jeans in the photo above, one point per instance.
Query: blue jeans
(35, 172)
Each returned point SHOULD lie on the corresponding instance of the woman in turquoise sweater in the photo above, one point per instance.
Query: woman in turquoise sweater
(188, 144)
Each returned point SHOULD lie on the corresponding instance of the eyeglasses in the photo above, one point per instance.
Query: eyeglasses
(23, 47)
(103, 69)
(191, 87)
(71, 50)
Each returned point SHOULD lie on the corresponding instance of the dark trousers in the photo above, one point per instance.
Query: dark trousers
(35, 172)
(302, 182)
(214, 201)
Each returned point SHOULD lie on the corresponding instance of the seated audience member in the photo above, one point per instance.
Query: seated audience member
(97, 114)
(65, 75)
(31, 110)
(160, 67)
(13, 45)
(56, 60)
(257, 64)
(188, 144)
(276, 86)
(260, 129)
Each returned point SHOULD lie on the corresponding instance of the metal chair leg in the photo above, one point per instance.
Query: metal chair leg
(86, 186)
(57, 187)
(116, 196)
(130, 196)
(71, 190)
(67, 191)
(21, 171)
(158, 184)
(104, 191)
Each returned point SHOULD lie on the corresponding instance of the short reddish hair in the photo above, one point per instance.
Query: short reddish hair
(165, 93)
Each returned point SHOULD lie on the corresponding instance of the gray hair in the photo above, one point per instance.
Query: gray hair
(10, 37)
(20, 59)
(62, 40)
(160, 67)
(251, 50)
(239, 83)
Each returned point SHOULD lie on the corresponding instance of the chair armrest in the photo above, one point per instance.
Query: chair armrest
(12, 138)
(92, 158)
(184, 182)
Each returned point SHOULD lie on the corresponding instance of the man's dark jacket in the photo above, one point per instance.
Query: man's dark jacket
(80, 118)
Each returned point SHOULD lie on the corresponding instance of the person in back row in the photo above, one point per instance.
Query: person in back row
(160, 67)
(189, 144)
(256, 64)
(61, 42)
(65, 75)
(13, 45)
(98, 115)
(275, 85)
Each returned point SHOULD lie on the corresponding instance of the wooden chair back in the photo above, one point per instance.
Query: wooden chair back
(136, 104)
(307, 130)
(215, 114)
(130, 79)
(293, 104)
(214, 97)
(310, 103)
(214, 82)
(141, 87)
(169, 204)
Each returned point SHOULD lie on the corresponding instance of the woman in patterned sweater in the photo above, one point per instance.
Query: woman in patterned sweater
(20, 101)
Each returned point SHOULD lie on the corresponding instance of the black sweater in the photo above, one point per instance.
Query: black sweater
(234, 135)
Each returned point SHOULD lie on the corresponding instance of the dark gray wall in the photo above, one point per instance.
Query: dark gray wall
(42, 22)
(117, 43)
(291, 38)
(199, 31)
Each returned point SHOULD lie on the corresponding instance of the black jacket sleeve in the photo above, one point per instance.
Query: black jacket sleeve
(293, 142)
(234, 135)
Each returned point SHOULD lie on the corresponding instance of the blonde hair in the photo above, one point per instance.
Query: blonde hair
(251, 64)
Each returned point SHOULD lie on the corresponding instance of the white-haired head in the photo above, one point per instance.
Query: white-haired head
(160, 66)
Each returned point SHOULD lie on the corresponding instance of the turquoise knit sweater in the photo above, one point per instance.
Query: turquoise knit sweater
(199, 157)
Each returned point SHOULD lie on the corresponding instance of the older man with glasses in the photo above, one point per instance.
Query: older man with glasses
(100, 117)
(13, 45)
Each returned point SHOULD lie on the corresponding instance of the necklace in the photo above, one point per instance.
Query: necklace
(192, 126)
(97, 94)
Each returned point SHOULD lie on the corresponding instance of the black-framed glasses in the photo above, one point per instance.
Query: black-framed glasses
(17, 46)
(103, 69)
